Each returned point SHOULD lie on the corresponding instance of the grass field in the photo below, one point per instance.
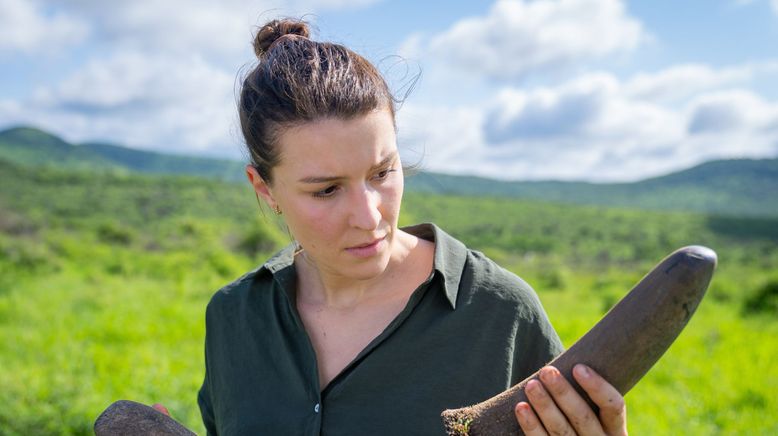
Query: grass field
(104, 280)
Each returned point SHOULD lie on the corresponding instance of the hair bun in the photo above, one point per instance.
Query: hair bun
(273, 30)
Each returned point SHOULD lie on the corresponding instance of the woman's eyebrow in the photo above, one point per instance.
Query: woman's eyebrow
(325, 179)
(384, 162)
(315, 179)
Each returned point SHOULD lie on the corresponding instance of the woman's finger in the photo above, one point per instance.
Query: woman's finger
(578, 412)
(613, 409)
(528, 421)
(552, 418)
(160, 408)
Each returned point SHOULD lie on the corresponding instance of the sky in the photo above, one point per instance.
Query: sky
(595, 90)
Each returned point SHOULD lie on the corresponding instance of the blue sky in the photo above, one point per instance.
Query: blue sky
(601, 90)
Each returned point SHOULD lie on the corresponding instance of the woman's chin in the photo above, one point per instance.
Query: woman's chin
(369, 267)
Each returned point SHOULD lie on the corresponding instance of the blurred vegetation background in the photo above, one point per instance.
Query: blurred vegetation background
(105, 274)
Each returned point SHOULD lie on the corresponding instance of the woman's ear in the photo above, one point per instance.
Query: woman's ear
(260, 187)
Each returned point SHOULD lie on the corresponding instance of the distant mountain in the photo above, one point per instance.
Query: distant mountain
(741, 187)
(151, 162)
(731, 187)
(30, 146)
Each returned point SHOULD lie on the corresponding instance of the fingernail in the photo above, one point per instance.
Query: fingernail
(549, 374)
(532, 386)
(522, 409)
(582, 370)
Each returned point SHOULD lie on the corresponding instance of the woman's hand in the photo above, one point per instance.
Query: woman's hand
(559, 409)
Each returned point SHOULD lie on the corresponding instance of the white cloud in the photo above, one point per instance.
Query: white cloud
(161, 74)
(196, 26)
(11, 113)
(219, 29)
(682, 81)
(153, 102)
(521, 37)
(549, 112)
(25, 28)
(456, 138)
(730, 111)
(774, 4)
(597, 127)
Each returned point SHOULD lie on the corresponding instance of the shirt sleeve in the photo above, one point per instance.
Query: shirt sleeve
(538, 345)
(204, 395)
(206, 410)
(533, 340)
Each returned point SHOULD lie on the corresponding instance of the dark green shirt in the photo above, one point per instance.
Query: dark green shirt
(469, 332)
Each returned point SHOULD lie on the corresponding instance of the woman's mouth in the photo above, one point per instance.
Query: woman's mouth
(368, 249)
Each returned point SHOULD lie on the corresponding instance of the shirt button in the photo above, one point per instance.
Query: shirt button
(316, 408)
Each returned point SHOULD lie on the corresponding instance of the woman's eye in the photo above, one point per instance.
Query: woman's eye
(325, 192)
(384, 173)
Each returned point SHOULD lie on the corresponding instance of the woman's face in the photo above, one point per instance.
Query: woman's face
(339, 185)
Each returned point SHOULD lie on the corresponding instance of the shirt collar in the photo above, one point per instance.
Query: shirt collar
(281, 260)
(448, 263)
(450, 257)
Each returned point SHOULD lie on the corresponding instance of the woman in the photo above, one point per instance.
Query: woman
(361, 327)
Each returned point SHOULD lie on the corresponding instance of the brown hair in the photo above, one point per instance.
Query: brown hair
(298, 80)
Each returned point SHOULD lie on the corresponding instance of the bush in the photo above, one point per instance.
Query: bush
(764, 300)
(112, 233)
(259, 239)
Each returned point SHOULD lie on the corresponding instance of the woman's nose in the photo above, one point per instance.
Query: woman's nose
(365, 213)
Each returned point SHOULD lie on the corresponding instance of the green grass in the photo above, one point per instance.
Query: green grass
(112, 323)
(104, 280)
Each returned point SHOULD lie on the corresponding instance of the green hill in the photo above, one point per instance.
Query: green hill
(741, 187)
(151, 162)
(30, 146)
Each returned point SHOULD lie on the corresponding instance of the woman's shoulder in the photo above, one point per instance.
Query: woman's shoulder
(254, 282)
(477, 277)
(278, 264)
(484, 276)
(237, 290)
